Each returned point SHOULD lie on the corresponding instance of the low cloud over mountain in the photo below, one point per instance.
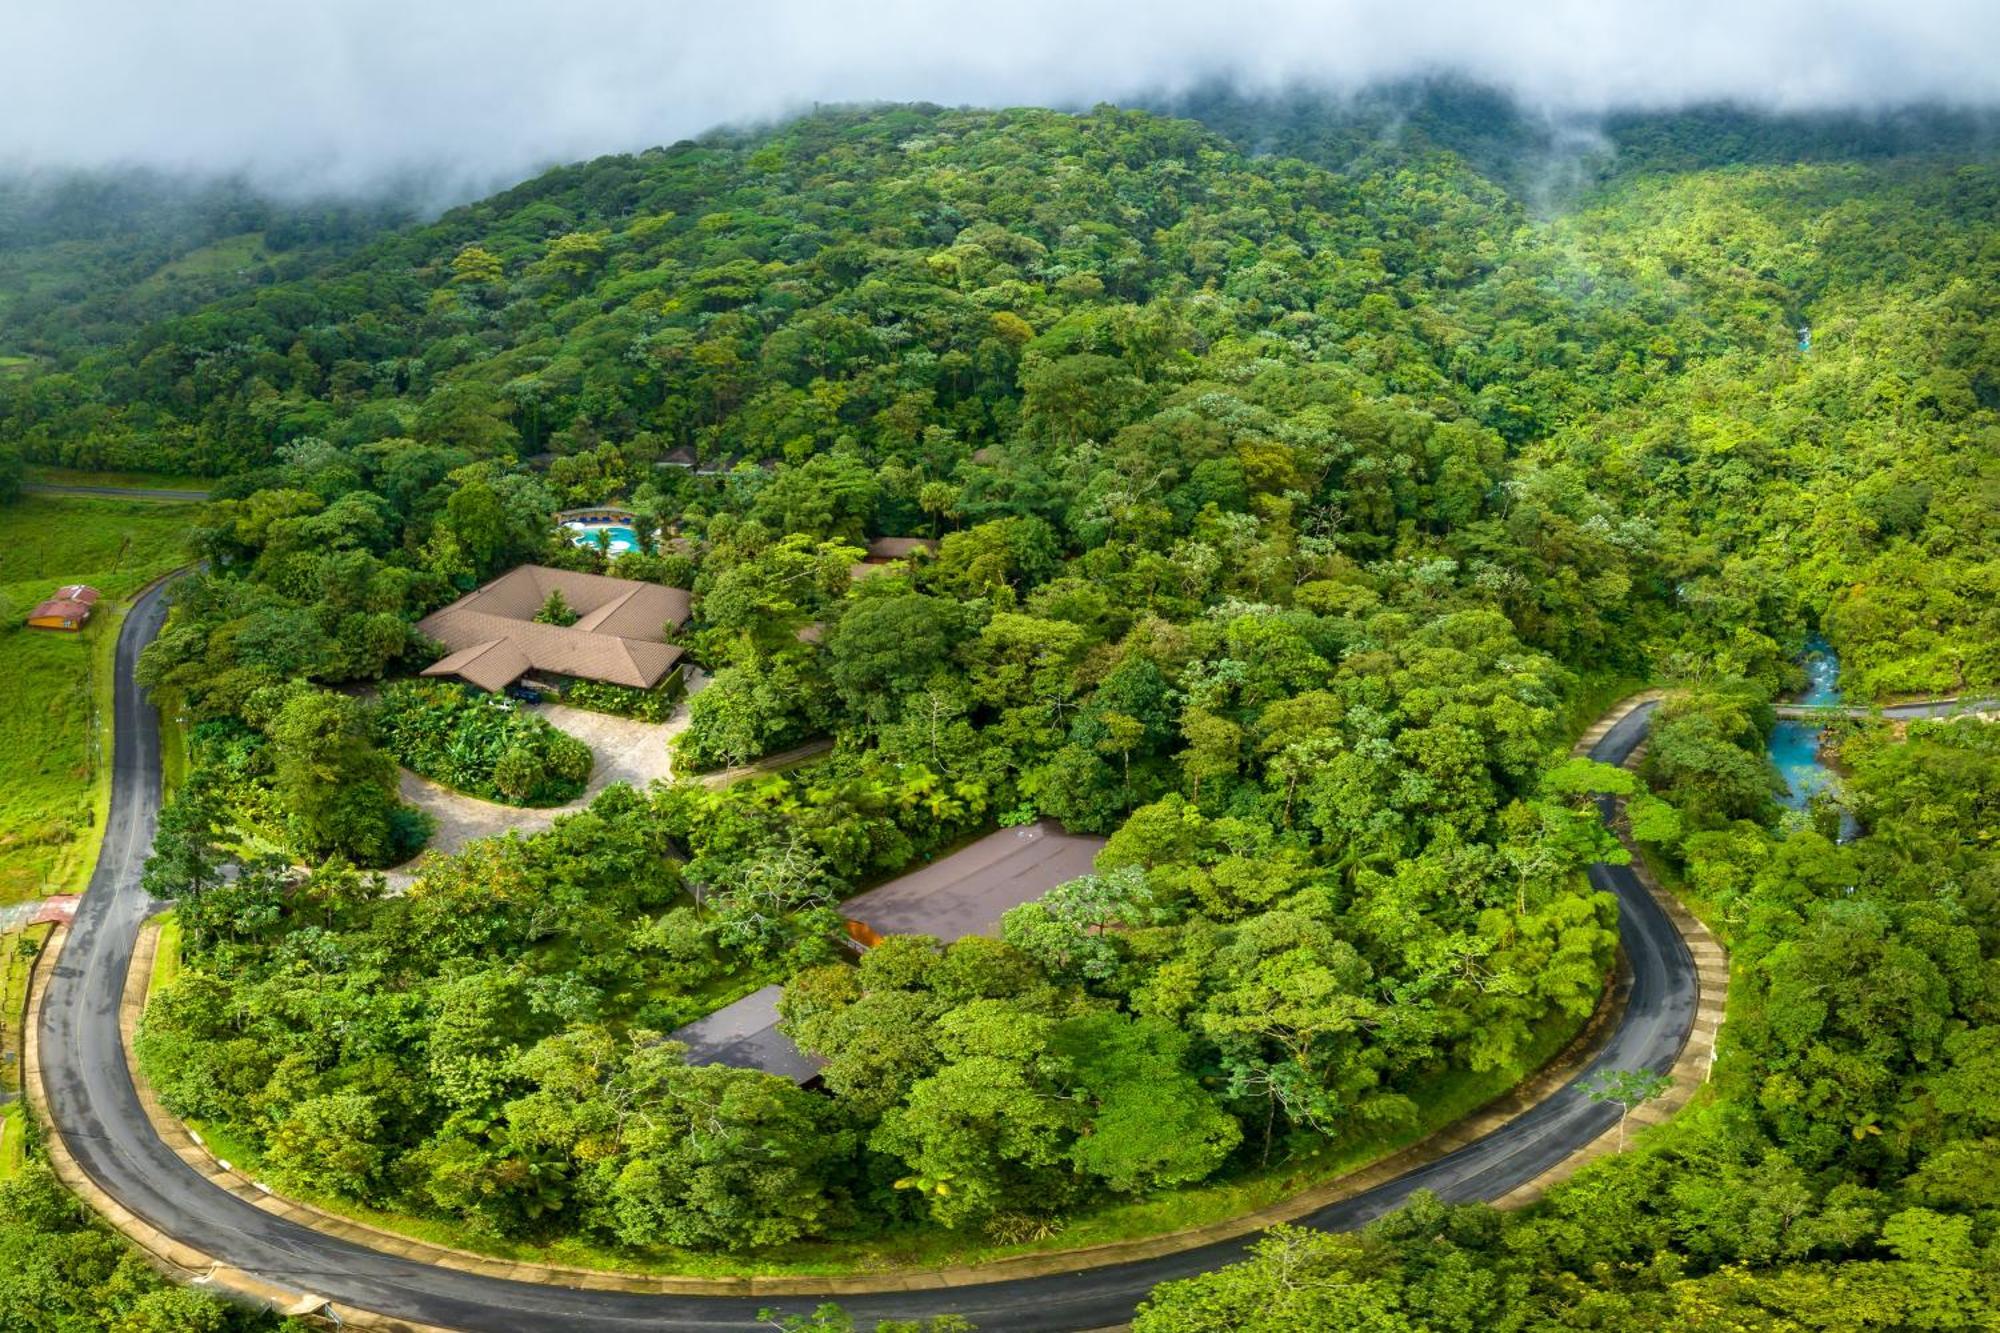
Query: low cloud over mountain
(353, 92)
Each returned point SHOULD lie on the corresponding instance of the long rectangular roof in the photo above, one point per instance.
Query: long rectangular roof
(968, 892)
(619, 636)
(963, 894)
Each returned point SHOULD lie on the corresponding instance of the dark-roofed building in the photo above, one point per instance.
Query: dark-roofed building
(68, 609)
(900, 548)
(492, 639)
(745, 1034)
(963, 894)
(883, 552)
(968, 892)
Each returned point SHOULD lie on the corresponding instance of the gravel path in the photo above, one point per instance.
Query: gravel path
(622, 749)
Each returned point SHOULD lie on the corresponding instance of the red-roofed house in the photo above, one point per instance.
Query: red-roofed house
(67, 610)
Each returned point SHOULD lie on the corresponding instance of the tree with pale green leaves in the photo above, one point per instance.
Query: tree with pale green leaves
(1628, 1090)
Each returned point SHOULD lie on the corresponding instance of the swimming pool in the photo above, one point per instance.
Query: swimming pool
(621, 537)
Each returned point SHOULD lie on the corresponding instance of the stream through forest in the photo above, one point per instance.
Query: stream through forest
(1795, 746)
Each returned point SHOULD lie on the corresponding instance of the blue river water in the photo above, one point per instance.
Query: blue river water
(1795, 745)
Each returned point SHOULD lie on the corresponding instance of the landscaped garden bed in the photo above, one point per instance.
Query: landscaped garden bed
(481, 744)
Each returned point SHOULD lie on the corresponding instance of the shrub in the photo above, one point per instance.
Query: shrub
(555, 611)
(517, 773)
(655, 705)
(481, 745)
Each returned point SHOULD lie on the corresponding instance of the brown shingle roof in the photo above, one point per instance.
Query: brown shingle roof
(619, 636)
(493, 665)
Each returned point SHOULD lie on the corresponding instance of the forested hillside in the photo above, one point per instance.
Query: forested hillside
(87, 257)
(1551, 160)
(1291, 521)
(1842, 1173)
(913, 287)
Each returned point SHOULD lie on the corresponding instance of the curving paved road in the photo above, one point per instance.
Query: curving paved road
(93, 1103)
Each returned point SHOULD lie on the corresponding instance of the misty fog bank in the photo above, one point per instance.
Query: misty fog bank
(455, 99)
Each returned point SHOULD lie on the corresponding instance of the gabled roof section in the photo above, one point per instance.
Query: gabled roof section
(619, 636)
(70, 603)
(642, 613)
(492, 665)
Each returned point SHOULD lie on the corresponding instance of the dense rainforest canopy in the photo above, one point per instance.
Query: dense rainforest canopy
(85, 258)
(1842, 1173)
(1291, 520)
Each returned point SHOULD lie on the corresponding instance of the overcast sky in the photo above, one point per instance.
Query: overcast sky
(343, 93)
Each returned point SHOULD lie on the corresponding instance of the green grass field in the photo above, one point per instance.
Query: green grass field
(55, 689)
(41, 475)
(226, 256)
(17, 953)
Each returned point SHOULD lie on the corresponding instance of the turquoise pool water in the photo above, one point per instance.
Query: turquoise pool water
(623, 539)
(1795, 753)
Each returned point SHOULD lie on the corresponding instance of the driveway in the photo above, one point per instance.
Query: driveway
(622, 749)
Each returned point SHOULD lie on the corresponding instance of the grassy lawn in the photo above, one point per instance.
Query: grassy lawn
(13, 1137)
(218, 259)
(167, 958)
(14, 969)
(173, 743)
(43, 475)
(55, 689)
(1447, 1098)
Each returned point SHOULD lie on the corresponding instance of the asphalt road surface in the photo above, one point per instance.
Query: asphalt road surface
(92, 1100)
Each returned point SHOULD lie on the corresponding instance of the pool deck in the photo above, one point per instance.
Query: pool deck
(583, 533)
